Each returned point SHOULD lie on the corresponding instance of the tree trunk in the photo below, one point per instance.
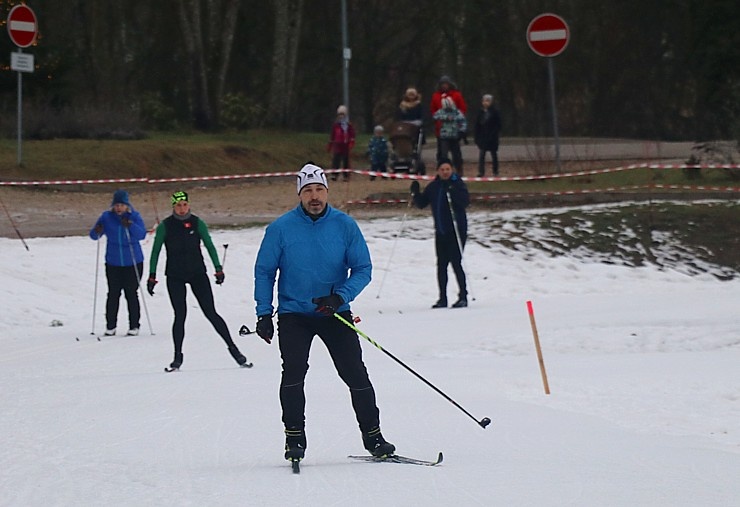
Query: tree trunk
(288, 17)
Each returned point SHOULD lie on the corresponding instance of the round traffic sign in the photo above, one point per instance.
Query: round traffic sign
(548, 34)
(22, 26)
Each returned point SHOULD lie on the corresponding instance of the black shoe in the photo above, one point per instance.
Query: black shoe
(442, 303)
(461, 303)
(295, 444)
(238, 356)
(376, 445)
(177, 362)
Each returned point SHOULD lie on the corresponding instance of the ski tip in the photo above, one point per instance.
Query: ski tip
(440, 457)
(246, 365)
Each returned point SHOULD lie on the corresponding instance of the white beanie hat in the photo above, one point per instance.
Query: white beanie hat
(311, 173)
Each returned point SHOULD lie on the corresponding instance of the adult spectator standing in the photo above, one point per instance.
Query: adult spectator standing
(314, 247)
(182, 233)
(445, 88)
(341, 142)
(124, 260)
(487, 131)
(410, 108)
(448, 197)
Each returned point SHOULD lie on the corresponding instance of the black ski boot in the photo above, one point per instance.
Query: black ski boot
(461, 303)
(295, 444)
(441, 303)
(238, 356)
(177, 362)
(375, 443)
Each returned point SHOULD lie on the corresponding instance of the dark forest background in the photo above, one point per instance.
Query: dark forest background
(664, 70)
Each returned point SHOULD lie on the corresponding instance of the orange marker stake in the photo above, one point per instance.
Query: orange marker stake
(537, 346)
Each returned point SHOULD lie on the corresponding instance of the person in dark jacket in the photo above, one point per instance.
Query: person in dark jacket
(182, 233)
(448, 197)
(487, 131)
(124, 260)
(410, 108)
(324, 264)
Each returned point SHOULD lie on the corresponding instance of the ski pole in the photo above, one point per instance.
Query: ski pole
(459, 243)
(223, 262)
(95, 292)
(482, 423)
(393, 249)
(138, 280)
(12, 222)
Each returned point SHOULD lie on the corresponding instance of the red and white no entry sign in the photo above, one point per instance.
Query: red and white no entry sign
(22, 26)
(548, 34)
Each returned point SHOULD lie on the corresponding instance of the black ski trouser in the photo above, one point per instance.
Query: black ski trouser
(123, 278)
(448, 252)
(295, 335)
(201, 287)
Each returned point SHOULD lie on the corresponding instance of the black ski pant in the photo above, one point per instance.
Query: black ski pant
(296, 332)
(201, 287)
(482, 161)
(450, 146)
(448, 252)
(123, 278)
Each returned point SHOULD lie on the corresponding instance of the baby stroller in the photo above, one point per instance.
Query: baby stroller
(406, 140)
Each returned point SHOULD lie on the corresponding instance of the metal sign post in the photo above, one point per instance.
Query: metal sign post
(22, 29)
(548, 35)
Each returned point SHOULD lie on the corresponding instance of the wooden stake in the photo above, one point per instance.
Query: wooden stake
(537, 346)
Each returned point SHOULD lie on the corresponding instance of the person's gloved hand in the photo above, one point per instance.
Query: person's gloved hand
(220, 276)
(150, 283)
(415, 187)
(265, 329)
(125, 221)
(98, 228)
(327, 305)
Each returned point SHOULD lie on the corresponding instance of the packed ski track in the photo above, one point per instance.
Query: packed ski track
(642, 364)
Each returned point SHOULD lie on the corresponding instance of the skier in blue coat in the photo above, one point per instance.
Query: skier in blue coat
(124, 260)
(324, 264)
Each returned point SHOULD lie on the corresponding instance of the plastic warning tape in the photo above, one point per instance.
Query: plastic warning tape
(489, 197)
(385, 175)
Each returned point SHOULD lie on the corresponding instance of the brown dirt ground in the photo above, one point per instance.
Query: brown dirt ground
(71, 210)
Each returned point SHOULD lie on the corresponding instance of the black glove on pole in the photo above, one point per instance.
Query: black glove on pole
(265, 328)
(327, 305)
(150, 283)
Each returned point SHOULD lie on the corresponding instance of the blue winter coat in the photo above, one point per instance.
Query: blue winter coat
(315, 258)
(435, 194)
(118, 249)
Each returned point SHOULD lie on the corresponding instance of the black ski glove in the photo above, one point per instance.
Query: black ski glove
(99, 229)
(327, 305)
(150, 283)
(265, 329)
(125, 221)
(415, 187)
(220, 276)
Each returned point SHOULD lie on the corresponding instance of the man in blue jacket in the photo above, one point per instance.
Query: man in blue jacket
(324, 264)
(448, 197)
(124, 260)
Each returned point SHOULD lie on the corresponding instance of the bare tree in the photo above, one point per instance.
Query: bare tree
(288, 18)
(208, 32)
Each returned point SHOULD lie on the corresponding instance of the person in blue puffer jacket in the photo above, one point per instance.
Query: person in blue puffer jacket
(124, 260)
(324, 264)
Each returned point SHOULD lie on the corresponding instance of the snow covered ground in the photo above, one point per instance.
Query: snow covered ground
(643, 364)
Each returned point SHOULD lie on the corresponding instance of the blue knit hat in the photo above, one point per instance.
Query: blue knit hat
(120, 197)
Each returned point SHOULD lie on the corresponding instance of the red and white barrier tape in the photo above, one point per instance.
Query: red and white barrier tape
(385, 175)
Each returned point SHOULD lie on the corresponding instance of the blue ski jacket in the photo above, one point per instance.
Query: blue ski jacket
(118, 249)
(315, 258)
(435, 194)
